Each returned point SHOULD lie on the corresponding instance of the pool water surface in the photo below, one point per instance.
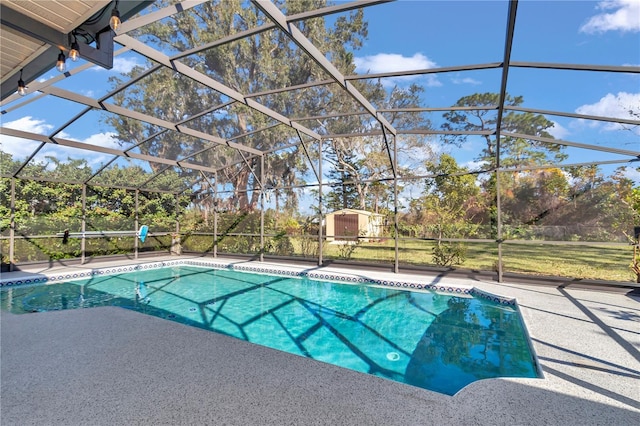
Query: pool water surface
(435, 341)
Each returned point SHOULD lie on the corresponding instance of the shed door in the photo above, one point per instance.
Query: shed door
(346, 226)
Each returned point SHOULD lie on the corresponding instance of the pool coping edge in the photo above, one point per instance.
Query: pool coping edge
(315, 273)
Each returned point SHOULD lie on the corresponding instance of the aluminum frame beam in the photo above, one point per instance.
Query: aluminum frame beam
(95, 148)
(344, 7)
(573, 115)
(149, 18)
(98, 105)
(576, 67)
(573, 144)
(273, 13)
(205, 80)
(508, 44)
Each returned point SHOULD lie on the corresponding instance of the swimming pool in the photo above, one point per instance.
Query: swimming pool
(440, 342)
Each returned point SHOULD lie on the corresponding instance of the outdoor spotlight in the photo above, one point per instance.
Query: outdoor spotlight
(22, 89)
(61, 65)
(115, 22)
(73, 54)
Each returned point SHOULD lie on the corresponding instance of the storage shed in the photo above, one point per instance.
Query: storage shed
(348, 224)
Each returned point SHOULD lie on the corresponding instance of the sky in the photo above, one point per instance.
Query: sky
(430, 34)
(458, 33)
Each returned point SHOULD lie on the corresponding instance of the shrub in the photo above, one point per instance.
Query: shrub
(448, 254)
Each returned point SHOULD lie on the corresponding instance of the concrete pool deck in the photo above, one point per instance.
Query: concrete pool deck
(112, 366)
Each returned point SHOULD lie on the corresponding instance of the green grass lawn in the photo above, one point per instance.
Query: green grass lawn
(600, 262)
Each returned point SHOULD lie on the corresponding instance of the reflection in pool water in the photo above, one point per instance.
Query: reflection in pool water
(435, 341)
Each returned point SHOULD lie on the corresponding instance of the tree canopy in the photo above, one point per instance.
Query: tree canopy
(251, 66)
(514, 151)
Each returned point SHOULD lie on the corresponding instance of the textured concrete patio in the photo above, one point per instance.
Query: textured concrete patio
(111, 366)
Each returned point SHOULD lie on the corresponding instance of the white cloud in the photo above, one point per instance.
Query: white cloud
(632, 173)
(432, 80)
(394, 62)
(21, 148)
(558, 131)
(107, 140)
(124, 65)
(18, 147)
(625, 16)
(29, 124)
(465, 80)
(120, 65)
(458, 79)
(389, 62)
(473, 165)
(64, 135)
(623, 105)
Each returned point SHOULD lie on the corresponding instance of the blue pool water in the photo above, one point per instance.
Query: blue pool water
(426, 339)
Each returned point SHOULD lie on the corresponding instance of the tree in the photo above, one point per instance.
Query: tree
(606, 207)
(534, 197)
(447, 207)
(359, 163)
(450, 197)
(292, 165)
(345, 173)
(250, 65)
(627, 211)
(514, 152)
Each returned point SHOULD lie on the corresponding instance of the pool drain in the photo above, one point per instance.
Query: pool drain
(393, 356)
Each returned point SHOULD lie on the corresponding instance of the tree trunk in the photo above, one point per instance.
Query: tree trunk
(240, 189)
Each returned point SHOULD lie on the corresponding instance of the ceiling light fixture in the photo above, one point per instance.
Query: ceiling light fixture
(22, 89)
(61, 65)
(115, 22)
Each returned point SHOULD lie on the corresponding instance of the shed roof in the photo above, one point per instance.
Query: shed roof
(356, 211)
